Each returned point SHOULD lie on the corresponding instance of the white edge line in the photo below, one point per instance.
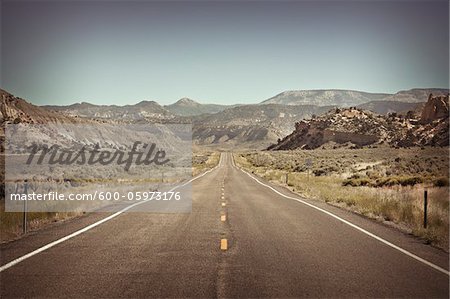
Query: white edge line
(404, 251)
(85, 229)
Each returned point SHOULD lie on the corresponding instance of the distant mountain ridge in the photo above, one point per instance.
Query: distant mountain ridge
(141, 110)
(385, 107)
(255, 126)
(416, 95)
(188, 107)
(349, 98)
(324, 97)
(427, 127)
(377, 102)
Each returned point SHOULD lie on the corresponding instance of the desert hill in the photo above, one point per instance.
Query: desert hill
(252, 124)
(141, 110)
(256, 126)
(361, 128)
(188, 107)
(386, 107)
(349, 98)
(17, 110)
(324, 97)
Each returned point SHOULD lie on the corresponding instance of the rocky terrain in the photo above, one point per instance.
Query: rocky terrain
(434, 109)
(17, 110)
(62, 127)
(252, 125)
(212, 125)
(357, 128)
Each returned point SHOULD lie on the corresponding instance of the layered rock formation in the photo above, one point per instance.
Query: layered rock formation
(17, 110)
(362, 128)
(435, 108)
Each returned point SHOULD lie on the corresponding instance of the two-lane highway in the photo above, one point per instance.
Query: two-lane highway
(275, 247)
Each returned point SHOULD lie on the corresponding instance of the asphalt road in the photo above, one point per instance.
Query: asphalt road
(275, 247)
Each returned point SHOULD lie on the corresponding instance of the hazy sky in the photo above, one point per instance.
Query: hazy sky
(61, 52)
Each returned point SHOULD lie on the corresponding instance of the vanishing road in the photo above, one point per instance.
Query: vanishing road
(242, 239)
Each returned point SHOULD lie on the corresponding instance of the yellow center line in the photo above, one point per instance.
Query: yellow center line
(223, 218)
(223, 204)
(223, 244)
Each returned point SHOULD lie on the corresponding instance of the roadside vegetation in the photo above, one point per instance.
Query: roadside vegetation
(11, 223)
(386, 184)
(203, 161)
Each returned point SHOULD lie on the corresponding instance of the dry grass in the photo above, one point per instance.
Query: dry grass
(400, 204)
(11, 223)
(203, 161)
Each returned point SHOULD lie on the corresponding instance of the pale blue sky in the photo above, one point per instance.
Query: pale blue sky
(61, 52)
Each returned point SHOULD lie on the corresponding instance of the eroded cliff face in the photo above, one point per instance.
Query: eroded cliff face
(362, 128)
(16, 110)
(8, 108)
(437, 107)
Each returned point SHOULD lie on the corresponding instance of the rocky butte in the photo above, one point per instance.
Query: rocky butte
(356, 127)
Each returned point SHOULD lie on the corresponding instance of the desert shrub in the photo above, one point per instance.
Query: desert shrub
(400, 203)
(410, 181)
(441, 182)
(382, 182)
(349, 182)
(356, 182)
(319, 172)
(300, 168)
(372, 174)
(364, 182)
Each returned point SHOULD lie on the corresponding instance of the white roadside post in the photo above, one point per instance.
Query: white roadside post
(308, 163)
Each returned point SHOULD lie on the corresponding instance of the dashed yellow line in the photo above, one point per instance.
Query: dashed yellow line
(223, 204)
(223, 218)
(223, 244)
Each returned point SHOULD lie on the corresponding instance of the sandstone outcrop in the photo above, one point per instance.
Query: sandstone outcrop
(361, 128)
(435, 108)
